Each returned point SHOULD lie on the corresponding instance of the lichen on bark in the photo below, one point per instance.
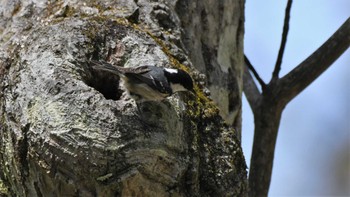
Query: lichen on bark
(68, 130)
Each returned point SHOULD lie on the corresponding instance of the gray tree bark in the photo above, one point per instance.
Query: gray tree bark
(67, 130)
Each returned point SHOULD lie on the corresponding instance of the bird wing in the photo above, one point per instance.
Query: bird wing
(153, 79)
(105, 66)
(141, 74)
(102, 65)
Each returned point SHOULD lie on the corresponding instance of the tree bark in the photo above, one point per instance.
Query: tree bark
(213, 37)
(67, 130)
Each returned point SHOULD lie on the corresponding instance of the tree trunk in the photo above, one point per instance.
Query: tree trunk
(67, 130)
(213, 36)
(266, 120)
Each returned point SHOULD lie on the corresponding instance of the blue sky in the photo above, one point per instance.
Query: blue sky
(313, 146)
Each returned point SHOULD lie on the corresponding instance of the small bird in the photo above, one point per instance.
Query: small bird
(149, 83)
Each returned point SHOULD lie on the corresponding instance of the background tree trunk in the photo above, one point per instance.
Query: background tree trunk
(69, 131)
(213, 36)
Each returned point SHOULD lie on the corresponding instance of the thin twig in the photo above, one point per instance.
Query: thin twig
(250, 89)
(284, 41)
(256, 75)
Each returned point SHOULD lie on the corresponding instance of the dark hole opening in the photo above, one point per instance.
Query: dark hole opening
(106, 83)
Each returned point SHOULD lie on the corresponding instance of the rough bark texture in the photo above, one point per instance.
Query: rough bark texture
(213, 36)
(69, 131)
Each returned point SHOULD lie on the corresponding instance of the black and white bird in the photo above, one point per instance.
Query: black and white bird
(149, 83)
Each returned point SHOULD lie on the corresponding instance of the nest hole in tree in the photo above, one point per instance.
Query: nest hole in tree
(106, 83)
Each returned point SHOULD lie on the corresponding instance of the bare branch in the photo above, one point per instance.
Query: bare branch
(256, 75)
(251, 91)
(283, 42)
(306, 72)
(268, 115)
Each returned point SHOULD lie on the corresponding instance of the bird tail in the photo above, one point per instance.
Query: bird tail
(102, 65)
